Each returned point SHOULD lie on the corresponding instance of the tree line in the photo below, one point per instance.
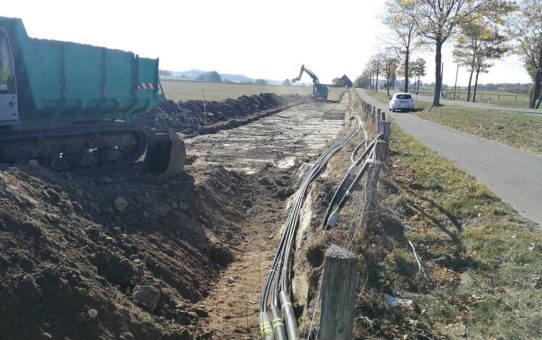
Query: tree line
(482, 31)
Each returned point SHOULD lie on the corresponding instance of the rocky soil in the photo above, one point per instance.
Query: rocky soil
(126, 256)
(194, 117)
(108, 257)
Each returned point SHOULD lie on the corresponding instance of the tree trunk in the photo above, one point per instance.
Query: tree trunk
(418, 86)
(438, 72)
(537, 84)
(470, 83)
(536, 90)
(475, 85)
(388, 85)
(407, 56)
(376, 83)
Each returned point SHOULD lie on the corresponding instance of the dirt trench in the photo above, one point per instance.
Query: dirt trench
(276, 151)
(124, 256)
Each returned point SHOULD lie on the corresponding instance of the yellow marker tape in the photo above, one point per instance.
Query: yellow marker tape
(286, 304)
(266, 328)
(277, 322)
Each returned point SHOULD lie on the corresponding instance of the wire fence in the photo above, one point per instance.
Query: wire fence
(277, 318)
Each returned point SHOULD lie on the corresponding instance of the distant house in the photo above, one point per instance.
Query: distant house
(344, 81)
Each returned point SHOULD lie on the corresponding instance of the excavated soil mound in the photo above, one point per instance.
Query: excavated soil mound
(194, 116)
(121, 257)
(126, 256)
(101, 257)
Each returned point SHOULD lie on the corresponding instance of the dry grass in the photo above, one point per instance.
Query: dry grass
(511, 128)
(488, 97)
(179, 90)
(483, 260)
(514, 129)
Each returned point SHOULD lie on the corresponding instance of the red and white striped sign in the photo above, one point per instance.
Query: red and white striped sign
(145, 86)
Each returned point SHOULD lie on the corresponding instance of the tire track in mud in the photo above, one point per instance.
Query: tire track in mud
(272, 152)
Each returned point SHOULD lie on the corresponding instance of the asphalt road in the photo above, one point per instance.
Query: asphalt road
(482, 105)
(514, 175)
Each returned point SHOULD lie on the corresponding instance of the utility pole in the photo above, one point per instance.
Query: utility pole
(455, 86)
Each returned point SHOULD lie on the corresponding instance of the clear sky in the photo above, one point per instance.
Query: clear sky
(257, 38)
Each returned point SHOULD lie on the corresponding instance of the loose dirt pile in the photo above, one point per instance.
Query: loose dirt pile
(196, 116)
(85, 257)
(117, 257)
(125, 256)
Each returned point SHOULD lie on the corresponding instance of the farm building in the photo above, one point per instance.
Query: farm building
(344, 81)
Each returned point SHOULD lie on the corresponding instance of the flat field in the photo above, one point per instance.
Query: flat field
(500, 98)
(179, 90)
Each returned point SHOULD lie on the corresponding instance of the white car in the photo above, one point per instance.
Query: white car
(401, 101)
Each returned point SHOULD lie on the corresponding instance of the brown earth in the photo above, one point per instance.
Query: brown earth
(233, 300)
(276, 151)
(126, 256)
(70, 258)
(194, 117)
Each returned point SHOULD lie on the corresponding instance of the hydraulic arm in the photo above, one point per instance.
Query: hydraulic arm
(319, 91)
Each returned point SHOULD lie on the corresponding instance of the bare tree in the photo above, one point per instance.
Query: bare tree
(406, 33)
(464, 54)
(438, 20)
(479, 42)
(376, 65)
(418, 70)
(492, 48)
(526, 28)
(365, 78)
(367, 75)
(389, 64)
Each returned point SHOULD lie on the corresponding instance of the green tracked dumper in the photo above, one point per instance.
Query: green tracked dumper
(70, 106)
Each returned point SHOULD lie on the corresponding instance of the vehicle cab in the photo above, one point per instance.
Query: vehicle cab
(8, 88)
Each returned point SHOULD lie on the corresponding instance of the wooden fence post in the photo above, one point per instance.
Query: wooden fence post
(372, 179)
(384, 128)
(339, 281)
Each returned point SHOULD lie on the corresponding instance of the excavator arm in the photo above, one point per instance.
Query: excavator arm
(311, 74)
(319, 91)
